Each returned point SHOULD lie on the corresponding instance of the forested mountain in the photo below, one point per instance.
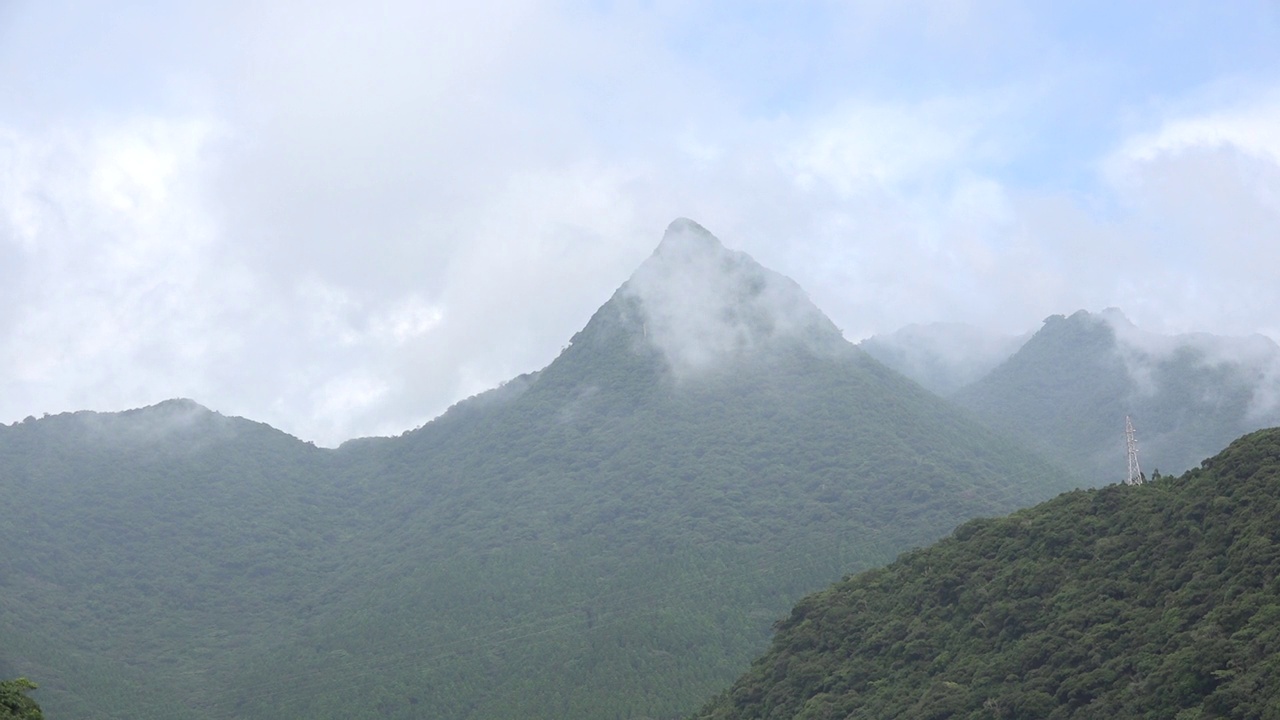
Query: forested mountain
(1067, 391)
(1146, 601)
(609, 537)
(943, 357)
(144, 550)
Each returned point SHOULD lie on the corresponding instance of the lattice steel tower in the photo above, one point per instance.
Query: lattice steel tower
(1135, 473)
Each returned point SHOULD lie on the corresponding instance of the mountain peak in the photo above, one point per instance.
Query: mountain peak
(1097, 327)
(702, 303)
(176, 405)
(685, 235)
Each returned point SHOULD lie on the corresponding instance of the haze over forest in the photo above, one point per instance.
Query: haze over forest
(605, 537)
(341, 220)
(608, 536)
(346, 369)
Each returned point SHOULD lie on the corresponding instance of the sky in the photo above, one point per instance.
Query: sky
(340, 218)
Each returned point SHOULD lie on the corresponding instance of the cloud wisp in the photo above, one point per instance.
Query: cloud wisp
(1252, 362)
(703, 305)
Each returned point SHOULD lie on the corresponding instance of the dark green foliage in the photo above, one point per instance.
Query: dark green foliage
(1152, 601)
(14, 702)
(602, 539)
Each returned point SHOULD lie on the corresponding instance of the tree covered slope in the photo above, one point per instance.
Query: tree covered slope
(1153, 601)
(145, 550)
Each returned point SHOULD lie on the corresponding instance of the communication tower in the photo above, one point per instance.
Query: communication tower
(1135, 473)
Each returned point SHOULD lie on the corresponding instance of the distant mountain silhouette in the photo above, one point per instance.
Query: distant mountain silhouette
(943, 357)
(1068, 389)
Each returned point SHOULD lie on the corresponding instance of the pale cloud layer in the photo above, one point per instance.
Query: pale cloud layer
(340, 218)
(1254, 359)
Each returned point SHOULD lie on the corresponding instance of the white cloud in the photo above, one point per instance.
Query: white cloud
(1200, 199)
(1250, 127)
(702, 305)
(411, 318)
(340, 218)
(112, 267)
(348, 394)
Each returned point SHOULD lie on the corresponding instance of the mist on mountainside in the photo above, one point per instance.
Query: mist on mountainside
(703, 305)
(1068, 389)
(943, 357)
(1252, 360)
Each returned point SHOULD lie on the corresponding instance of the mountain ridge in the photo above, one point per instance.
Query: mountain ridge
(634, 513)
(1067, 391)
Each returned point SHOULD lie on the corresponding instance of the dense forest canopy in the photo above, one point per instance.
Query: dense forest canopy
(15, 704)
(1150, 601)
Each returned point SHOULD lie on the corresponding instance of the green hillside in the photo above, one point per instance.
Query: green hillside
(1150, 601)
(609, 537)
(144, 550)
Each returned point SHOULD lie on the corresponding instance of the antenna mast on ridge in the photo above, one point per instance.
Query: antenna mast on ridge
(1135, 473)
